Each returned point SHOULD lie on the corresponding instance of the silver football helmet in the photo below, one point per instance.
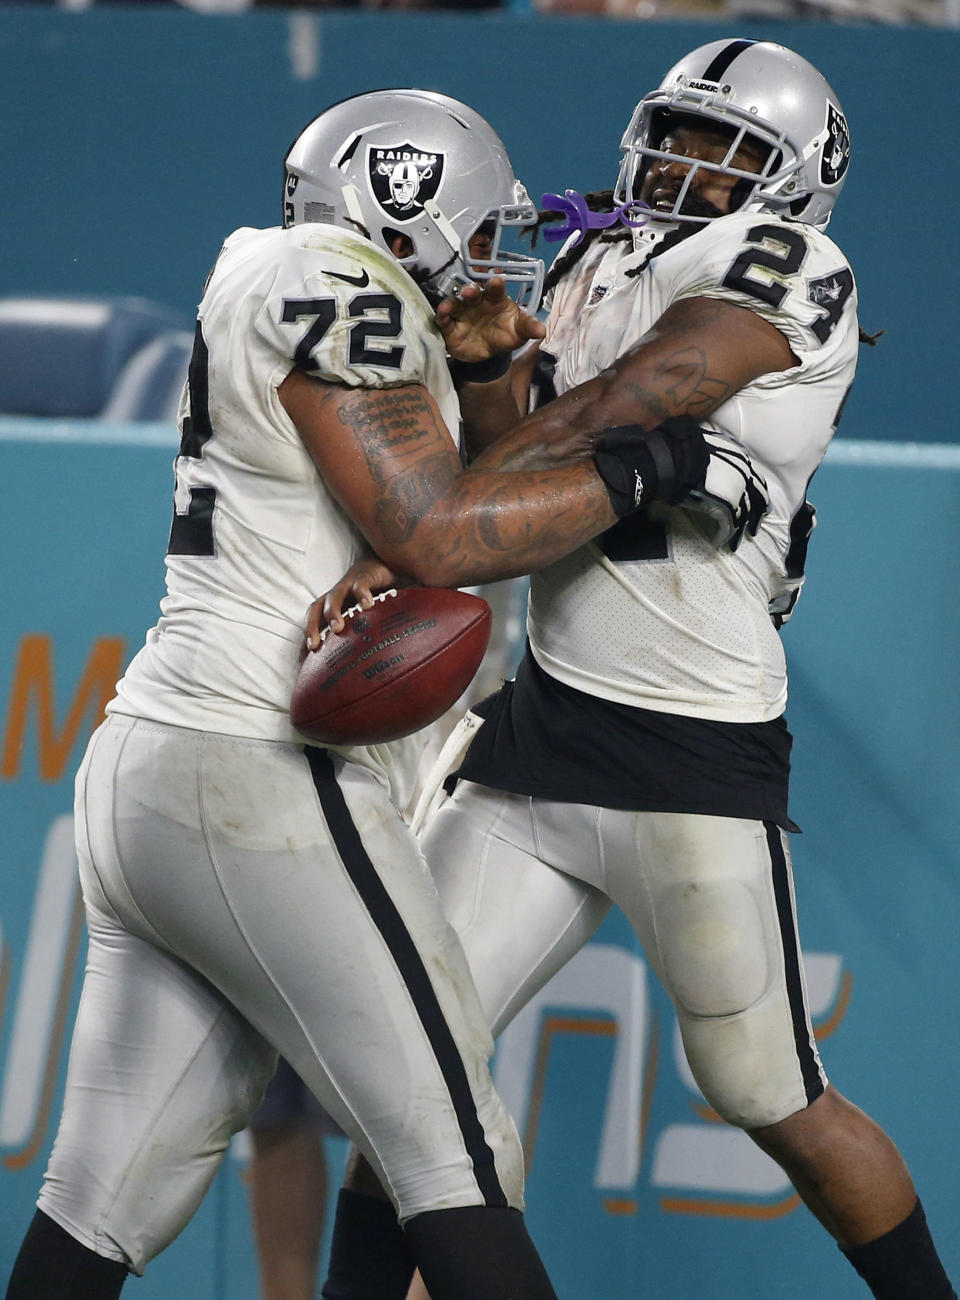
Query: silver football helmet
(762, 93)
(421, 165)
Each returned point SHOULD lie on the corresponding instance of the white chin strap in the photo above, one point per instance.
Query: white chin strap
(453, 278)
(443, 225)
(351, 201)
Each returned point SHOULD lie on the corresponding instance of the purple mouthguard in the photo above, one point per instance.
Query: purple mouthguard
(579, 218)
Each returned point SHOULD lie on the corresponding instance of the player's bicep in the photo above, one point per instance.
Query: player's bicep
(384, 453)
(700, 352)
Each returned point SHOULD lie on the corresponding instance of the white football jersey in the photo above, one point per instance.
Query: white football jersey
(256, 535)
(653, 614)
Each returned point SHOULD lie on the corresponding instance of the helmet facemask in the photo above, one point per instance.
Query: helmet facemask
(483, 250)
(522, 273)
(753, 188)
(755, 92)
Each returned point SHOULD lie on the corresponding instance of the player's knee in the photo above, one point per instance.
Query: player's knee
(430, 1175)
(713, 947)
(746, 1067)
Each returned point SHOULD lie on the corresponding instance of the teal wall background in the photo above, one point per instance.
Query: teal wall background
(134, 140)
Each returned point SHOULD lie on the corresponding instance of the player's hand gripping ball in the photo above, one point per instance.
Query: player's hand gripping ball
(393, 669)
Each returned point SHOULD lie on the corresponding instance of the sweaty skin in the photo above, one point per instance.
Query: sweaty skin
(709, 191)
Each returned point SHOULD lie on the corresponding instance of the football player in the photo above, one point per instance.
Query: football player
(246, 894)
(641, 757)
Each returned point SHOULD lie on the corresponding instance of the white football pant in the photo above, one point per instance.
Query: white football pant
(525, 882)
(244, 898)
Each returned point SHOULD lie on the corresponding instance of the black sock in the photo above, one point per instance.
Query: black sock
(369, 1255)
(903, 1264)
(477, 1253)
(52, 1265)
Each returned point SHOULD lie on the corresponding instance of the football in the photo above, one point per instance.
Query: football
(393, 669)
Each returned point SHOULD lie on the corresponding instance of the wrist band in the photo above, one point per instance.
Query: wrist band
(664, 464)
(627, 468)
(479, 372)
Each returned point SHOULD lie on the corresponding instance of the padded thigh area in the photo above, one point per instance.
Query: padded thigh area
(245, 897)
(712, 899)
(714, 944)
(525, 881)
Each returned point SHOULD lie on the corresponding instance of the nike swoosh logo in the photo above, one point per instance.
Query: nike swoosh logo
(361, 281)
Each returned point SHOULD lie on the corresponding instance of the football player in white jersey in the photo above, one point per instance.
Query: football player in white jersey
(641, 757)
(246, 893)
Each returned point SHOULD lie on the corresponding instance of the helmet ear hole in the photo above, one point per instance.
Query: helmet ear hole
(399, 244)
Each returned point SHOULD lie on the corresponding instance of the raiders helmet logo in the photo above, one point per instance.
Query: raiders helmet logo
(403, 178)
(836, 149)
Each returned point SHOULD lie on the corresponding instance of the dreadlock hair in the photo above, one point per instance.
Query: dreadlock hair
(598, 201)
(603, 201)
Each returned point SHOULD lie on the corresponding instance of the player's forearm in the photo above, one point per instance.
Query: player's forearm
(490, 525)
(493, 409)
(489, 411)
(646, 388)
(388, 459)
(527, 501)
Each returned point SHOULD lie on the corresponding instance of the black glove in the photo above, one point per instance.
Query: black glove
(640, 466)
(682, 464)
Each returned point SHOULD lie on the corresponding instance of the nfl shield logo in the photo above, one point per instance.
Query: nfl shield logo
(836, 148)
(403, 178)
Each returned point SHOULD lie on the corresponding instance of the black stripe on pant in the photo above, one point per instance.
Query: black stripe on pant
(806, 1053)
(389, 922)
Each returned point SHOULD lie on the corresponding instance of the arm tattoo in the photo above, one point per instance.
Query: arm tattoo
(537, 518)
(388, 424)
(684, 386)
(408, 495)
(394, 427)
(481, 522)
(687, 384)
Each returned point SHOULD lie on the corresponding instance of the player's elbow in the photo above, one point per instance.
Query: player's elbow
(456, 546)
(430, 569)
(425, 557)
(450, 560)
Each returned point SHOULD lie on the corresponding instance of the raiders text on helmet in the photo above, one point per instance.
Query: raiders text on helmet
(421, 165)
(761, 93)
